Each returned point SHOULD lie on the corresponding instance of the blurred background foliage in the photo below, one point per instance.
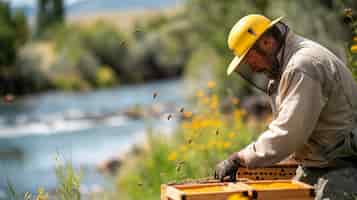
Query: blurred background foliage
(351, 18)
(213, 20)
(50, 13)
(159, 47)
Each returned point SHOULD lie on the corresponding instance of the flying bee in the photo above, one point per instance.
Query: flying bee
(169, 117)
(154, 95)
(178, 168)
(182, 109)
(179, 165)
(122, 43)
(217, 132)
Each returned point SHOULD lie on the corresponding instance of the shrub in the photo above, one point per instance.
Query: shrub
(163, 53)
(106, 43)
(31, 70)
(105, 77)
(74, 62)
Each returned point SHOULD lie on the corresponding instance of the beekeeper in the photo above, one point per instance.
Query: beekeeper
(314, 102)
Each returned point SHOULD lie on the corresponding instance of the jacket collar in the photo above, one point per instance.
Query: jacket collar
(292, 45)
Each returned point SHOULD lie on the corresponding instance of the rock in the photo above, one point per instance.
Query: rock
(136, 112)
(110, 166)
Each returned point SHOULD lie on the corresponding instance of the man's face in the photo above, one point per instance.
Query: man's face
(257, 62)
(260, 57)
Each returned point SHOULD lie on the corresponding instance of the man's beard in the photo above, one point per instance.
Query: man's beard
(261, 78)
(274, 71)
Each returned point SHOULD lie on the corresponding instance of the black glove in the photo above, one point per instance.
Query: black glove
(227, 168)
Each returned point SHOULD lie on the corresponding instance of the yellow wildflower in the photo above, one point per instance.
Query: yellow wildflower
(205, 100)
(226, 145)
(208, 123)
(213, 105)
(42, 195)
(211, 143)
(211, 84)
(183, 148)
(172, 156)
(196, 124)
(204, 123)
(354, 48)
(185, 125)
(239, 114)
(200, 93)
(187, 114)
(231, 135)
(216, 123)
(214, 102)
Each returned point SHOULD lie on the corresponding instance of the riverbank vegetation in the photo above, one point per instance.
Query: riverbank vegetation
(206, 135)
(190, 41)
(56, 54)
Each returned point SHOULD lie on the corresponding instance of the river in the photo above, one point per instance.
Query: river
(83, 128)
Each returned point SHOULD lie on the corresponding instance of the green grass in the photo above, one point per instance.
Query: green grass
(68, 181)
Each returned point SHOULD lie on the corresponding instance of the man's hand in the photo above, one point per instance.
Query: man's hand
(227, 168)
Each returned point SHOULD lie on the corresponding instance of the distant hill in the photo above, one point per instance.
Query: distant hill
(100, 6)
(93, 6)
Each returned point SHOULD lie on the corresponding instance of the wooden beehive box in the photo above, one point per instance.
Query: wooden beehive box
(207, 191)
(282, 171)
(249, 190)
(281, 190)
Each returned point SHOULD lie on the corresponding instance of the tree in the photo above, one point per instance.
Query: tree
(13, 33)
(22, 31)
(49, 13)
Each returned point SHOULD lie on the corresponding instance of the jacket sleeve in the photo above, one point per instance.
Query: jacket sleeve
(300, 103)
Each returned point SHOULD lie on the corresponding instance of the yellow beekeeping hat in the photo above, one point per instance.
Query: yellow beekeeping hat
(244, 34)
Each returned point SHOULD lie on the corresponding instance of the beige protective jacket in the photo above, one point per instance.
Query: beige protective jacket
(314, 109)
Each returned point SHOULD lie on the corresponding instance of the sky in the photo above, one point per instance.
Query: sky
(32, 2)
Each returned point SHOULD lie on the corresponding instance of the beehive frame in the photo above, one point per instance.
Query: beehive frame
(268, 173)
(284, 170)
